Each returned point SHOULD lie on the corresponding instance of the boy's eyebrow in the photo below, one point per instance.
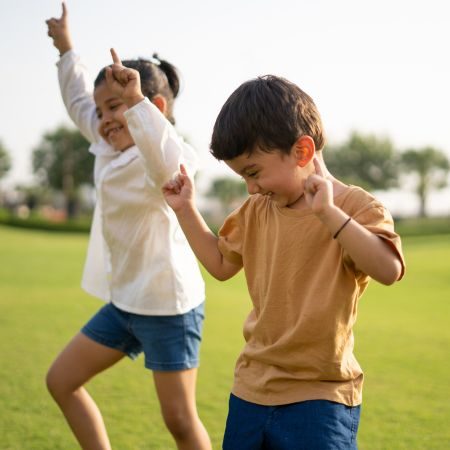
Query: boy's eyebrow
(246, 168)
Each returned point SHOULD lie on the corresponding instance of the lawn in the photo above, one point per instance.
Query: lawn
(402, 342)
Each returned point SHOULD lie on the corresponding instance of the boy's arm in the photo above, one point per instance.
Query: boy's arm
(179, 194)
(371, 254)
(74, 81)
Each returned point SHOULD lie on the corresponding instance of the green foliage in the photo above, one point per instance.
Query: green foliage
(5, 161)
(62, 162)
(227, 190)
(431, 166)
(63, 153)
(80, 225)
(423, 226)
(364, 160)
(402, 341)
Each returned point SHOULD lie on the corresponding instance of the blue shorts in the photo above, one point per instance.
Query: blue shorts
(168, 342)
(308, 425)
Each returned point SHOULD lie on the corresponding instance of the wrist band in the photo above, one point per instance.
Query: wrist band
(342, 227)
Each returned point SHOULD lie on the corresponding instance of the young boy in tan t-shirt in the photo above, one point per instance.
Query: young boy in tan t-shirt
(308, 244)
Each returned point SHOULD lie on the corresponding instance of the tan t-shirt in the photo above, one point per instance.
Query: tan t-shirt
(305, 290)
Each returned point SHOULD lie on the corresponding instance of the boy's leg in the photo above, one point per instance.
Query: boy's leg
(77, 363)
(246, 424)
(176, 393)
(313, 425)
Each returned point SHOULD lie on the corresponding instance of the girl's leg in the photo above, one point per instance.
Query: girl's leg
(176, 393)
(77, 363)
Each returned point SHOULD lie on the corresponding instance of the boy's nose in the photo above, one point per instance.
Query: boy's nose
(252, 187)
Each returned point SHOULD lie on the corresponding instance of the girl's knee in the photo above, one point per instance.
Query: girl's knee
(58, 383)
(54, 382)
(179, 422)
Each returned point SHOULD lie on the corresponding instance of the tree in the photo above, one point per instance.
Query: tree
(431, 166)
(364, 160)
(5, 161)
(62, 162)
(227, 190)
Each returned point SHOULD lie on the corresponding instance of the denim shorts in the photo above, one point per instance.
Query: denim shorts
(168, 342)
(308, 425)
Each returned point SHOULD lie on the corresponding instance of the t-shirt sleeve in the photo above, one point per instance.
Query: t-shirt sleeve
(378, 220)
(231, 238)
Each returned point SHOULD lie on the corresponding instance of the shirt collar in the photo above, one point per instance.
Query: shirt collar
(125, 157)
(118, 159)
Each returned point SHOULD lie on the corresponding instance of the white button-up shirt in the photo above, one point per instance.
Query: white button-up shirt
(138, 257)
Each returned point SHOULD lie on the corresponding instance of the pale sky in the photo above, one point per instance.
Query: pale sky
(379, 67)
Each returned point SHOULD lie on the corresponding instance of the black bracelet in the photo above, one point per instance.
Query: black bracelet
(342, 227)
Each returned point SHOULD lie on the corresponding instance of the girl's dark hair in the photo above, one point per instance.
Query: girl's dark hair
(268, 112)
(157, 77)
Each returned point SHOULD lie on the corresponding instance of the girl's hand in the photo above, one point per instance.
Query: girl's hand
(179, 192)
(58, 30)
(123, 81)
(318, 191)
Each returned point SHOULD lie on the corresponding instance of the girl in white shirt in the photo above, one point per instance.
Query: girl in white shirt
(138, 260)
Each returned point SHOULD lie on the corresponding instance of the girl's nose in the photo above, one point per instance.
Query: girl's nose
(106, 117)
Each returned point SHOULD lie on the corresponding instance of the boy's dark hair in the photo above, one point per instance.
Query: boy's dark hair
(267, 112)
(157, 77)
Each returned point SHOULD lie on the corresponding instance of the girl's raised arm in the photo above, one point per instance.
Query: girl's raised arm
(74, 81)
(58, 30)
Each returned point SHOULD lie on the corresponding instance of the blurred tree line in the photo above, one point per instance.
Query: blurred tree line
(5, 161)
(62, 164)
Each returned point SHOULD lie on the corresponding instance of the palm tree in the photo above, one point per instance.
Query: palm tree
(431, 165)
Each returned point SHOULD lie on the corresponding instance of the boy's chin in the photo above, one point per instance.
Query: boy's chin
(278, 200)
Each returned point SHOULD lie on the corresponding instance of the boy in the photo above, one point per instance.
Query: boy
(308, 244)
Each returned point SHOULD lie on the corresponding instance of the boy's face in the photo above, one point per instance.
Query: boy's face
(112, 126)
(278, 175)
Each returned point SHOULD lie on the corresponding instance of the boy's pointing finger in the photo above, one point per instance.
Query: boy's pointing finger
(318, 167)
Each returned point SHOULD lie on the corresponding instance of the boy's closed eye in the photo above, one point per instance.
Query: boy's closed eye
(250, 174)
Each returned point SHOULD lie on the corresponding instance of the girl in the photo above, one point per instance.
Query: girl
(138, 259)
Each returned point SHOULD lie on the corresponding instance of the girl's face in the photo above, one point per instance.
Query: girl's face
(112, 126)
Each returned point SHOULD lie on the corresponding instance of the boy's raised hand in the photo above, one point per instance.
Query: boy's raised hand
(179, 192)
(318, 190)
(123, 81)
(58, 30)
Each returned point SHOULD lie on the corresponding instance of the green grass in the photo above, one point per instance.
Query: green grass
(402, 342)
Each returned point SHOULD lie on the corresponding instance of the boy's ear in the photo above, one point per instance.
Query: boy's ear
(304, 150)
(160, 102)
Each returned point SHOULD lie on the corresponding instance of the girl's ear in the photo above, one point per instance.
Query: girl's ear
(160, 102)
(305, 150)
